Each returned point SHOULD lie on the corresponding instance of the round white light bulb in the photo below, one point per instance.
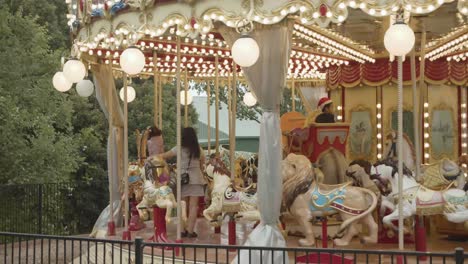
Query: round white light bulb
(131, 94)
(182, 98)
(245, 51)
(60, 82)
(85, 88)
(399, 39)
(249, 99)
(132, 60)
(74, 70)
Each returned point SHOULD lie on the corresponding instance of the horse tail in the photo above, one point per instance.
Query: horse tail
(369, 210)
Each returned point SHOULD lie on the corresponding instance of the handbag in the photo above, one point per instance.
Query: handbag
(185, 177)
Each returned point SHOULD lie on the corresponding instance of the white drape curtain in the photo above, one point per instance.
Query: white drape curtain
(267, 78)
(313, 94)
(103, 81)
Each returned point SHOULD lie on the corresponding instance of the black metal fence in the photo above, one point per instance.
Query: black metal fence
(28, 248)
(54, 208)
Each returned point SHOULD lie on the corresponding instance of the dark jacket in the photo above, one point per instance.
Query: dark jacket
(325, 118)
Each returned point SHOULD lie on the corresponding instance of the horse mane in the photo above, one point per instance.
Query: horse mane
(394, 164)
(366, 165)
(218, 165)
(296, 184)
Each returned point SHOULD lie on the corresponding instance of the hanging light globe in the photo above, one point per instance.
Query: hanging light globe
(249, 99)
(85, 88)
(132, 60)
(182, 98)
(74, 70)
(131, 94)
(60, 82)
(245, 51)
(399, 39)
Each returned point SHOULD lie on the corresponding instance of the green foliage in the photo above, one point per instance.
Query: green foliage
(250, 113)
(37, 139)
(141, 113)
(49, 13)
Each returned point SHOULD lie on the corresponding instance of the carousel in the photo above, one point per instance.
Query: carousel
(379, 151)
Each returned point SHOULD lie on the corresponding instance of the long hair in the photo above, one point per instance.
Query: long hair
(154, 132)
(190, 142)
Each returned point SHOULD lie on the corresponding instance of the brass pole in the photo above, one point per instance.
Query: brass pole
(232, 132)
(126, 151)
(217, 102)
(155, 89)
(421, 89)
(179, 147)
(231, 122)
(293, 94)
(208, 104)
(111, 153)
(160, 100)
(186, 100)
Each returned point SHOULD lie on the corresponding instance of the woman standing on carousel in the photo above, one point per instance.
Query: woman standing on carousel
(192, 161)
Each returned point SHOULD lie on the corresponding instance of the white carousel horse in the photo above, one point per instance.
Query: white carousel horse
(305, 198)
(391, 150)
(419, 200)
(226, 199)
(162, 197)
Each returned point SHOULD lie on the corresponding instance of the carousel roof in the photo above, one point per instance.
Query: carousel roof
(325, 34)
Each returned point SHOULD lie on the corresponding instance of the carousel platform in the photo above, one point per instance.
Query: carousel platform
(207, 236)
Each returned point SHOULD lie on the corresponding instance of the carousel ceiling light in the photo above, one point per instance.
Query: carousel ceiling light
(399, 39)
(249, 99)
(74, 70)
(60, 82)
(132, 60)
(245, 50)
(85, 88)
(131, 94)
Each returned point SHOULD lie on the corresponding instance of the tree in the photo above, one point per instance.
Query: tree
(141, 112)
(37, 140)
(51, 14)
(245, 112)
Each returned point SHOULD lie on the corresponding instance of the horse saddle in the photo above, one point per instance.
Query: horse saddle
(429, 202)
(231, 196)
(325, 197)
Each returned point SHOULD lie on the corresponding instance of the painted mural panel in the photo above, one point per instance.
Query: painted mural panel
(443, 141)
(408, 125)
(361, 131)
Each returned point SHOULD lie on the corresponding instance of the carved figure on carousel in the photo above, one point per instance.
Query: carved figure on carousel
(420, 200)
(227, 198)
(305, 198)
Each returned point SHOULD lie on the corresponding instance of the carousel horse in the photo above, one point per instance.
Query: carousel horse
(227, 198)
(420, 200)
(391, 151)
(304, 198)
(162, 197)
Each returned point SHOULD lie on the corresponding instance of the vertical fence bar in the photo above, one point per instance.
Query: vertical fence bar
(39, 210)
(459, 256)
(139, 250)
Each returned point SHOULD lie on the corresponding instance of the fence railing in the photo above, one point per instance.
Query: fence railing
(53, 208)
(29, 248)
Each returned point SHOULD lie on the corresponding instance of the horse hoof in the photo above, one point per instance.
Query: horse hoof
(340, 243)
(306, 243)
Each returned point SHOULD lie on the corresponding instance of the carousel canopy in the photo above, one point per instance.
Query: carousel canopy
(332, 36)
